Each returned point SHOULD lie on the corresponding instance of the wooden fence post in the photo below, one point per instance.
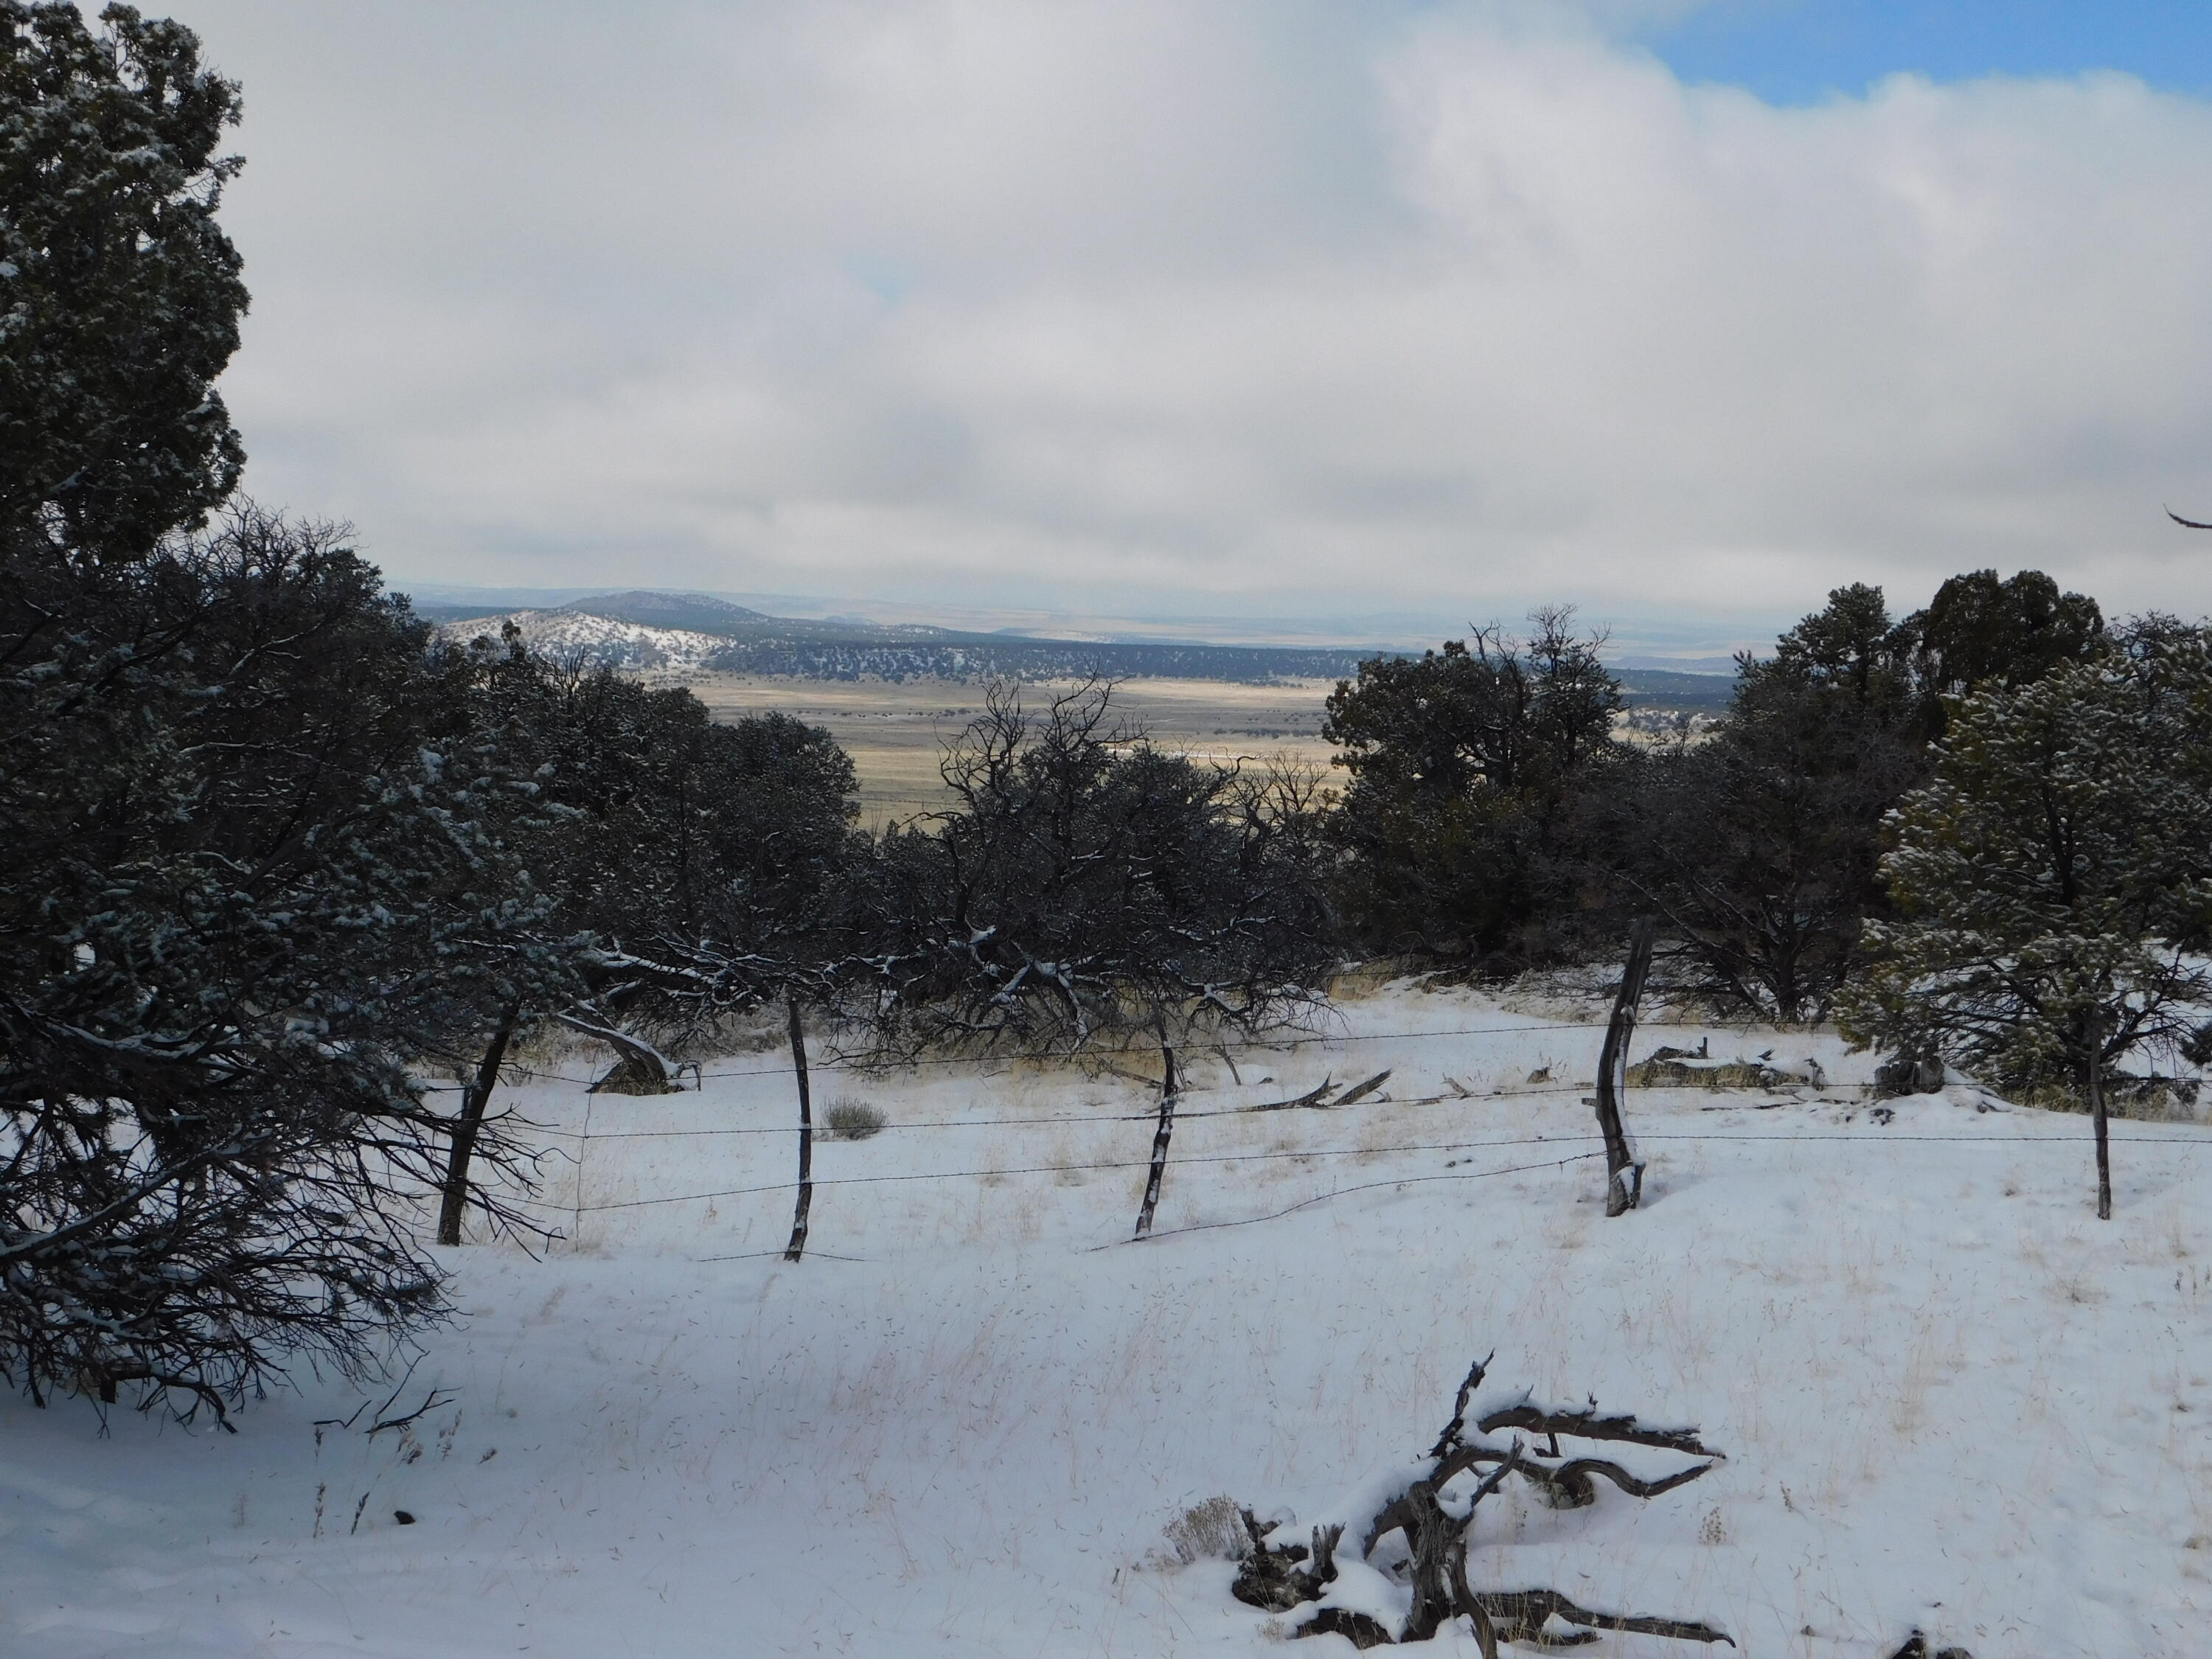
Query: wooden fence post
(1623, 1176)
(797, 1247)
(1160, 1137)
(2097, 1112)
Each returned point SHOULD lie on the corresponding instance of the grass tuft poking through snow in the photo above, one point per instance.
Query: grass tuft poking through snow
(848, 1119)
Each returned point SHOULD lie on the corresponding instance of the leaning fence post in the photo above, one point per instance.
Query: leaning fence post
(1623, 1176)
(1160, 1138)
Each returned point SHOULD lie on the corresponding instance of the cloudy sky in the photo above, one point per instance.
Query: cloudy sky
(1294, 308)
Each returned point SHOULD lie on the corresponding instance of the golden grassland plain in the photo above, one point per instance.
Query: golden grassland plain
(896, 733)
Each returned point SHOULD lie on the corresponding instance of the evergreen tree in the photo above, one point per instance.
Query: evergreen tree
(1980, 631)
(256, 851)
(260, 858)
(119, 293)
(1456, 830)
(682, 864)
(1758, 847)
(2055, 877)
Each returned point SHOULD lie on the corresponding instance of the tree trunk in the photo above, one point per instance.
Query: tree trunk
(797, 1247)
(2097, 1114)
(1623, 1176)
(640, 1068)
(473, 1102)
(1160, 1139)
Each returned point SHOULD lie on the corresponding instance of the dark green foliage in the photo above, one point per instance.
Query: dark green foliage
(1849, 649)
(258, 862)
(1758, 847)
(119, 294)
(270, 848)
(666, 818)
(1455, 830)
(2055, 877)
(1980, 631)
(696, 856)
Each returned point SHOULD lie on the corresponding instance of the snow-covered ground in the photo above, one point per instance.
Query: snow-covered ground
(1950, 1397)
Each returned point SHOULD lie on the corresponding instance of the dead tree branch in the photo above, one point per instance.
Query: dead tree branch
(1432, 1515)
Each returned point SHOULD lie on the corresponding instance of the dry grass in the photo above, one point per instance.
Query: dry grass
(896, 733)
(848, 1119)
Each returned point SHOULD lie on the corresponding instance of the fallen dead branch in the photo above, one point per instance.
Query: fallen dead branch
(1319, 1098)
(1313, 1097)
(1403, 1577)
(1361, 1090)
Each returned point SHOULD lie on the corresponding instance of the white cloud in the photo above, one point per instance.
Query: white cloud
(1296, 306)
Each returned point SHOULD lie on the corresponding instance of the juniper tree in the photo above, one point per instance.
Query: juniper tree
(255, 852)
(1454, 831)
(1979, 630)
(119, 293)
(680, 861)
(1757, 848)
(2054, 879)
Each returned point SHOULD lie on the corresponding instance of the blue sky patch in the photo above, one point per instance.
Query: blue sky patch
(1804, 51)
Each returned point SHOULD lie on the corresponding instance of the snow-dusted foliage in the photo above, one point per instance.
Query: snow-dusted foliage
(259, 862)
(119, 294)
(2056, 876)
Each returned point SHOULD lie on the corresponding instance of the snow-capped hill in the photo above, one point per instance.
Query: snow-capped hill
(599, 639)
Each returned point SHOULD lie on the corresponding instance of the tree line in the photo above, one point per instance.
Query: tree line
(278, 857)
(1981, 833)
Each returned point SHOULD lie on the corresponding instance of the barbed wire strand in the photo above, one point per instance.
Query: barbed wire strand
(1341, 1192)
(1145, 1116)
(1873, 1137)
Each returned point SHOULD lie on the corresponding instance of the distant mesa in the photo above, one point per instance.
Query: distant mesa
(699, 612)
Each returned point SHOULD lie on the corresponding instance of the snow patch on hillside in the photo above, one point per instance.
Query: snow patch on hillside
(561, 634)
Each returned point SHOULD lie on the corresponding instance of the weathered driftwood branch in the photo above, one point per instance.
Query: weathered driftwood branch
(640, 1068)
(1433, 1522)
(1519, 1616)
(1361, 1090)
(1584, 1424)
(1916, 1647)
(1312, 1098)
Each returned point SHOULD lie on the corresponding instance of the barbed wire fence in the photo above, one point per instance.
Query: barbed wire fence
(1570, 1147)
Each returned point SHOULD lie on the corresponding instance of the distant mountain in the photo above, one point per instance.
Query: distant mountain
(699, 613)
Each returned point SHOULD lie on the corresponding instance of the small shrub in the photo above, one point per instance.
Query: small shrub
(851, 1119)
(1213, 1528)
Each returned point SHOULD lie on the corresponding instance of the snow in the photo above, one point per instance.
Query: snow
(603, 639)
(1950, 1397)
